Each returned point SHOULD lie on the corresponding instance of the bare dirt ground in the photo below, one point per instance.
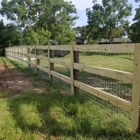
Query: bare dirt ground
(13, 80)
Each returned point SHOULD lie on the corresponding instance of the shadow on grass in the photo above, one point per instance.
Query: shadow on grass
(58, 115)
(64, 116)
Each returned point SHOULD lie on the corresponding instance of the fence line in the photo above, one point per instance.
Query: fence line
(24, 54)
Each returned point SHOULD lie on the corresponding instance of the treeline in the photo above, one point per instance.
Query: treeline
(36, 22)
(110, 20)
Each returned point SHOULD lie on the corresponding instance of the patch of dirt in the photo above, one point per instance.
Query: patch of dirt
(16, 82)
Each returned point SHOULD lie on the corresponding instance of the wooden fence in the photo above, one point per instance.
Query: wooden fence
(22, 52)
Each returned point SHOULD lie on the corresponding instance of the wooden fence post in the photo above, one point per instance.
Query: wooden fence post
(12, 53)
(72, 69)
(36, 59)
(22, 56)
(51, 65)
(135, 115)
(5, 52)
(18, 50)
(28, 57)
(74, 73)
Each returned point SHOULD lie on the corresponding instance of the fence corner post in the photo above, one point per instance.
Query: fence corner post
(135, 115)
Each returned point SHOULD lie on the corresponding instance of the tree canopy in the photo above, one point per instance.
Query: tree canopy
(134, 32)
(53, 17)
(9, 36)
(109, 19)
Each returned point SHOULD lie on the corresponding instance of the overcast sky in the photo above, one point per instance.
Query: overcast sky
(81, 6)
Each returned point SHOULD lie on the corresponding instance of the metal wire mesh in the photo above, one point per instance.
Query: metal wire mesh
(123, 62)
(66, 88)
(62, 56)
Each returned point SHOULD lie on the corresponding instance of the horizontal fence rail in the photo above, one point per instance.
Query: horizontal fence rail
(30, 55)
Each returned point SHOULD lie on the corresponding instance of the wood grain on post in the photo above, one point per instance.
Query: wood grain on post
(52, 66)
(135, 116)
(72, 69)
(37, 60)
(76, 72)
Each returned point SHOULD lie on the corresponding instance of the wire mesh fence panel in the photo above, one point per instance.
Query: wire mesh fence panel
(66, 88)
(116, 61)
(123, 62)
(104, 105)
(44, 75)
(44, 63)
(109, 85)
(62, 70)
(106, 83)
(107, 77)
(60, 59)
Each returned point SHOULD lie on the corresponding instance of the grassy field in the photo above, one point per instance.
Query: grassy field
(28, 114)
(114, 61)
(122, 62)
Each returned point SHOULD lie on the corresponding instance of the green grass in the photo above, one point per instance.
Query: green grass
(114, 61)
(52, 115)
(122, 62)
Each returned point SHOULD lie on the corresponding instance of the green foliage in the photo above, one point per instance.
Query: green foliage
(9, 36)
(32, 37)
(43, 36)
(91, 41)
(81, 31)
(108, 20)
(134, 32)
(49, 16)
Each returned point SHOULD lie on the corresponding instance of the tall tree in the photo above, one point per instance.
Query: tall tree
(9, 36)
(134, 33)
(104, 19)
(55, 16)
(38, 37)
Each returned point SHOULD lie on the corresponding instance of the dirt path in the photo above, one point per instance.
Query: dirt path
(13, 80)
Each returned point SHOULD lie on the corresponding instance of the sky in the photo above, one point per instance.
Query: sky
(81, 6)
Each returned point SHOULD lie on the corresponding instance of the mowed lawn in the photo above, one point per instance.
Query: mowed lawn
(122, 62)
(33, 109)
